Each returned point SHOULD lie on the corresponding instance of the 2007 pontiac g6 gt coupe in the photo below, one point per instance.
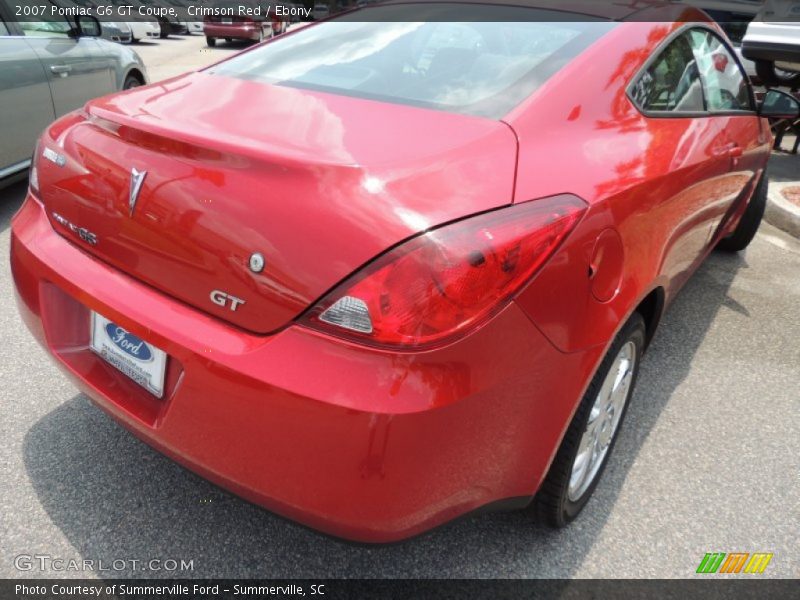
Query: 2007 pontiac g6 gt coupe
(377, 274)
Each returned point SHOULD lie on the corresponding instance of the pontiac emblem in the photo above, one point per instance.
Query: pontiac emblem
(137, 179)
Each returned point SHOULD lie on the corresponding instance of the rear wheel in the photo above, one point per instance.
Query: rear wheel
(770, 76)
(131, 82)
(751, 220)
(591, 435)
(211, 41)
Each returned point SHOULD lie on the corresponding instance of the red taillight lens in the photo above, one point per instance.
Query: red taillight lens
(448, 281)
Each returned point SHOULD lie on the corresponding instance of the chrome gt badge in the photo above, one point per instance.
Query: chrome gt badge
(220, 298)
(137, 179)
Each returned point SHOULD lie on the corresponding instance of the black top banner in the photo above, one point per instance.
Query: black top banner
(397, 10)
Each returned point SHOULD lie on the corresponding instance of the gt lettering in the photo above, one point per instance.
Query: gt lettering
(220, 298)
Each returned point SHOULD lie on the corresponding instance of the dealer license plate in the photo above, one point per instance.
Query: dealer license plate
(142, 362)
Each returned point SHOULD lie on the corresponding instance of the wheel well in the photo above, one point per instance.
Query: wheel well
(137, 74)
(651, 308)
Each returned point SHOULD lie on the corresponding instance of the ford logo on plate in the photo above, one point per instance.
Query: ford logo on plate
(128, 343)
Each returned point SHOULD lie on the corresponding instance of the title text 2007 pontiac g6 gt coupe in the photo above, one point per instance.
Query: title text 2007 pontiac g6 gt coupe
(375, 275)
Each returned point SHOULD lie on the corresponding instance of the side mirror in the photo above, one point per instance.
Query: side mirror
(779, 105)
(88, 26)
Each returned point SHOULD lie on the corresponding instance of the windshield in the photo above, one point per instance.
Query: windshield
(471, 66)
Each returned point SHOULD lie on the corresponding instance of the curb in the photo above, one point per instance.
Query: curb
(780, 212)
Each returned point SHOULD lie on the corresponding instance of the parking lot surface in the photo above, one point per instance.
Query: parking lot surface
(180, 53)
(706, 461)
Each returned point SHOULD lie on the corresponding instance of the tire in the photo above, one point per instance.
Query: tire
(131, 82)
(770, 76)
(559, 500)
(211, 41)
(751, 219)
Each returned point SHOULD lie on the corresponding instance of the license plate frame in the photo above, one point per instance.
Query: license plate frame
(140, 361)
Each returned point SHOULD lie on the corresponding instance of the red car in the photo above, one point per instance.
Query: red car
(377, 274)
(241, 20)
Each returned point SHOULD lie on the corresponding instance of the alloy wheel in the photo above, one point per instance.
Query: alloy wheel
(604, 419)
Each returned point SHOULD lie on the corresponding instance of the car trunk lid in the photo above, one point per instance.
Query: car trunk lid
(315, 183)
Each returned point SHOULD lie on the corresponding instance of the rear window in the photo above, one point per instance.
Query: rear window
(467, 65)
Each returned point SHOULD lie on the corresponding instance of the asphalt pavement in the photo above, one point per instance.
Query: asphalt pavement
(180, 53)
(706, 462)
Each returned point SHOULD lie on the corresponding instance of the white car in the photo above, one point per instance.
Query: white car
(321, 11)
(128, 31)
(773, 42)
(141, 30)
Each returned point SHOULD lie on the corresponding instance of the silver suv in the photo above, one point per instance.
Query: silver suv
(773, 42)
(49, 68)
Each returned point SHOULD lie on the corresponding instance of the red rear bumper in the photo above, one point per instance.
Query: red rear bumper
(362, 444)
(246, 30)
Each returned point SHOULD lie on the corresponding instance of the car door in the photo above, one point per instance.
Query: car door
(692, 157)
(76, 67)
(27, 106)
(730, 102)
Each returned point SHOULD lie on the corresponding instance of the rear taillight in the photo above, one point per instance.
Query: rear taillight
(448, 281)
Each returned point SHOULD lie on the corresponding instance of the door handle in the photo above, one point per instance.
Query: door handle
(735, 151)
(732, 150)
(60, 69)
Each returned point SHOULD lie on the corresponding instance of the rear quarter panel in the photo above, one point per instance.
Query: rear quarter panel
(651, 182)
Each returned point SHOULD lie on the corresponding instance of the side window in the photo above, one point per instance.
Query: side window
(49, 26)
(672, 82)
(725, 84)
